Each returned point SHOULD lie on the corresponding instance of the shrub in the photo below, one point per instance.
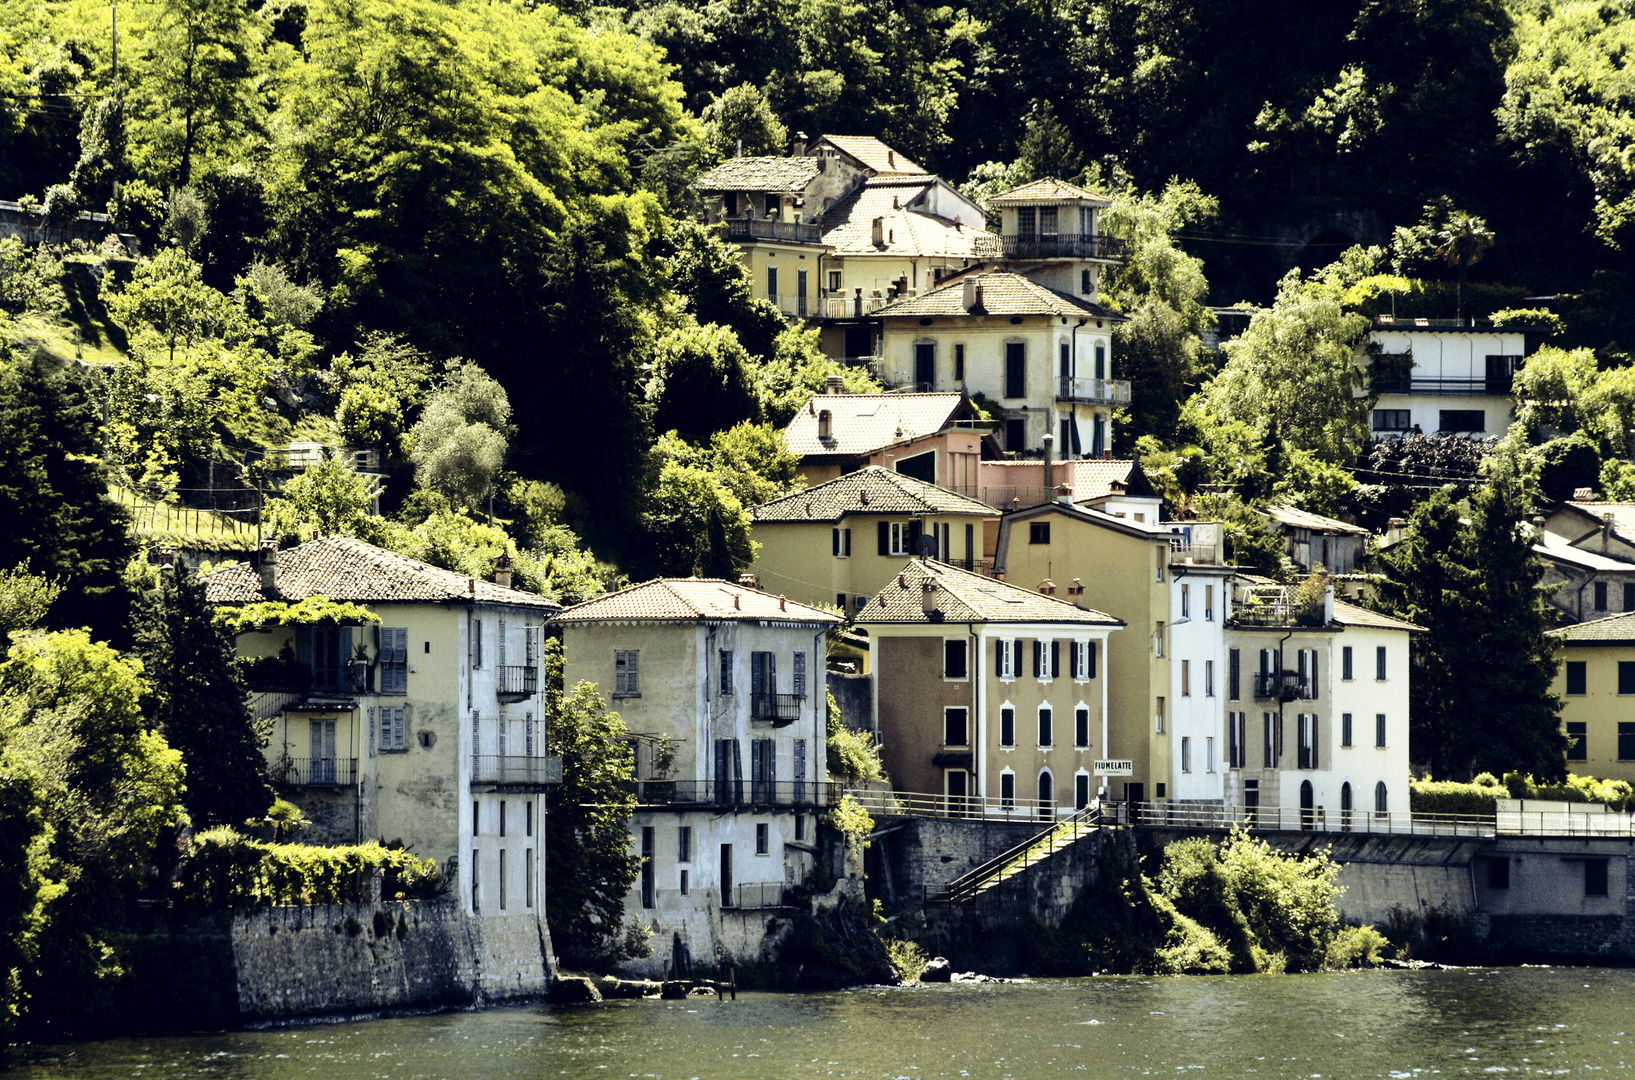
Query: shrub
(1477, 798)
(226, 869)
(1356, 946)
(907, 958)
(1452, 797)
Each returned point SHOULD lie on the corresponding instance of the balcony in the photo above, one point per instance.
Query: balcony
(316, 772)
(855, 306)
(516, 682)
(757, 896)
(742, 229)
(1280, 686)
(704, 793)
(1065, 246)
(1094, 391)
(777, 708)
(496, 772)
(1498, 386)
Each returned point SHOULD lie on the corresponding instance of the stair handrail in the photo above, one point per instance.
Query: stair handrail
(966, 883)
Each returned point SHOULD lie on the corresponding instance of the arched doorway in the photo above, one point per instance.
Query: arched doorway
(1345, 806)
(1047, 794)
(1307, 815)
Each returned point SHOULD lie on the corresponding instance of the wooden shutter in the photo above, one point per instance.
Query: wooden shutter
(883, 530)
(914, 538)
(1038, 657)
(1055, 659)
(999, 659)
(1090, 659)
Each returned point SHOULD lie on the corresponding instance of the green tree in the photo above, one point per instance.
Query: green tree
(694, 524)
(753, 462)
(712, 282)
(740, 120)
(797, 369)
(459, 444)
(701, 382)
(589, 866)
(326, 499)
(1461, 242)
(199, 703)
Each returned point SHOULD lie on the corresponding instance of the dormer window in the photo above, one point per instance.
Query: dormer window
(825, 434)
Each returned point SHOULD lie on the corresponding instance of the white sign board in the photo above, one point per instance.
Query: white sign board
(1115, 768)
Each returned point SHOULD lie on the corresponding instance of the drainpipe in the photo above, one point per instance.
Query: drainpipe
(1073, 371)
(979, 715)
(1277, 658)
(1106, 750)
(1587, 583)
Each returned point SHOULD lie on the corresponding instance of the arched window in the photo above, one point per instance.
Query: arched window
(1380, 804)
(1307, 816)
(1047, 794)
(825, 420)
(1345, 806)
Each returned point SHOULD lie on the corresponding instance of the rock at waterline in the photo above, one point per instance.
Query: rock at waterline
(937, 970)
(573, 990)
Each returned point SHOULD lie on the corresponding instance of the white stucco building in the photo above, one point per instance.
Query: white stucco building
(729, 684)
(1442, 375)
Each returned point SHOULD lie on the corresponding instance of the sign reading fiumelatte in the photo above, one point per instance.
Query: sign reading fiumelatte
(1115, 768)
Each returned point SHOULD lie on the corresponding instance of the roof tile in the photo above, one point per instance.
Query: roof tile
(1002, 294)
(870, 490)
(692, 599)
(1612, 630)
(760, 174)
(1048, 188)
(848, 226)
(872, 154)
(864, 423)
(966, 597)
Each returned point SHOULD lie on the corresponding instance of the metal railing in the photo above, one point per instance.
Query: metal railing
(266, 704)
(1280, 686)
(756, 896)
(1280, 612)
(1030, 852)
(779, 708)
(1477, 387)
(741, 792)
(508, 770)
(921, 804)
(1198, 554)
(316, 772)
(1064, 245)
(768, 229)
(1301, 819)
(1011, 496)
(516, 680)
(854, 306)
(1100, 391)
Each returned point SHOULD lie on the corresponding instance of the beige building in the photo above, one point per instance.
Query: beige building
(426, 726)
(1596, 685)
(840, 542)
(931, 437)
(993, 696)
(723, 688)
(1589, 558)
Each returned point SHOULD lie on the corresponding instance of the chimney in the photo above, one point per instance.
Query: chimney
(268, 564)
(1049, 444)
(1107, 454)
(799, 149)
(1047, 587)
(471, 586)
(1076, 589)
(502, 570)
(967, 298)
(835, 384)
(979, 306)
(879, 232)
(895, 203)
(783, 604)
(167, 560)
(737, 601)
(902, 580)
(1064, 494)
(1395, 529)
(747, 580)
(891, 158)
(928, 596)
(740, 152)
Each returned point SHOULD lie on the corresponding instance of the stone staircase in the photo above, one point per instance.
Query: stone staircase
(1022, 857)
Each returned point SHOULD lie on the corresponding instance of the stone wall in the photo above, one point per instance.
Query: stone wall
(282, 963)
(854, 696)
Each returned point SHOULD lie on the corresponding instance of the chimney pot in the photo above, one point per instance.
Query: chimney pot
(783, 604)
(902, 580)
(928, 595)
(268, 565)
(891, 158)
(737, 601)
(835, 384)
(502, 570)
(979, 294)
(747, 580)
(799, 148)
(1107, 455)
(879, 225)
(471, 586)
(1064, 493)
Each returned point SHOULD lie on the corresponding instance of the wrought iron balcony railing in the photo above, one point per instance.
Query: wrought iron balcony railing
(1064, 245)
(743, 792)
(1280, 686)
(316, 772)
(514, 682)
(778, 708)
(515, 772)
(1095, 391)
(766, 229)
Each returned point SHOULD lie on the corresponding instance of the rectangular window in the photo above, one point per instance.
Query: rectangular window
(1007, 790)
(1345, 662)
(1085, 282)
(1005, 659)
(1600, 596)
(528, 815)
(1016, 435)
(834, 281)
(528, 877)
(1186, 601)
(1629, 596)
(1046, 726)
(1158, 641)
(1379, 729)
(898, 538)
(393, 733)
(1234, 675)
(953, 659)
(1081, 727)
(1007, 727)
(800, 675)
(1209, 603)
(726, 672)
(1595, 877)
(1038, 532)
(1473, 421)
(1626, 741)
(394, 660)
(1498, 872)
(800, 826)
(1186, 754)
(1308, 740)
(476, 818)
(1266, 740)
(954, 727)
(1160, 716)
(1576, 677)
(772, 284)
(1238, 736)
(1047, 220)
(502, 817)
(1379, 663)
(1209, 678)
(1016, 367)
(1345, 729)
(684, 883)
(763, 838)
(1577, 736)
(1209, 753)
(476, 883)
(1392, 420)
(1626, 677)
(626, 674)
(684, 844)
(648, 868)
(502, 879)
(763, 683)
(959, 363)
(1186, 678)
(1159, 554)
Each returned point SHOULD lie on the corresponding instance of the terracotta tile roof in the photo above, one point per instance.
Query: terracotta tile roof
(964, 597)
(1351, 615)
(345, 569)
(872, 154)
(692, 599)
(870, 490)
(1296, 518)
(864, 423)
(1002, 294)
(1612, 630)
(848, 226)
(760, 174)
(1048, 188)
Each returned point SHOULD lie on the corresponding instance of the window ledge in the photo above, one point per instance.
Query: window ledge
(393, 750)
(628, 694)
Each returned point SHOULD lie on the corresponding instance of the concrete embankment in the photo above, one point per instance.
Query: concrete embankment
(231, 968)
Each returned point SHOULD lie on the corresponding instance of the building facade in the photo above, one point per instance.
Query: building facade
(1596, 684)
(1442, 376)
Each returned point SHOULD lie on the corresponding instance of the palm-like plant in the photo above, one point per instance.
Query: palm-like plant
(1461, 241)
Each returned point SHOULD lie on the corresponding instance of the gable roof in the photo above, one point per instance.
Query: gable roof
(1622, 514)
(864, 423)
(693, 600)
(1296, 518)
(1002, 294)
(760, 174)
(1048, 188)
(1559, 549)
(1612, 630)
(870, 490)
(346, 569)
(848, 226)
(966, 597)
(1347, 614)
(870, 153)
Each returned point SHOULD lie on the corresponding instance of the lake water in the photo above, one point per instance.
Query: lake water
(1475, 1022)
